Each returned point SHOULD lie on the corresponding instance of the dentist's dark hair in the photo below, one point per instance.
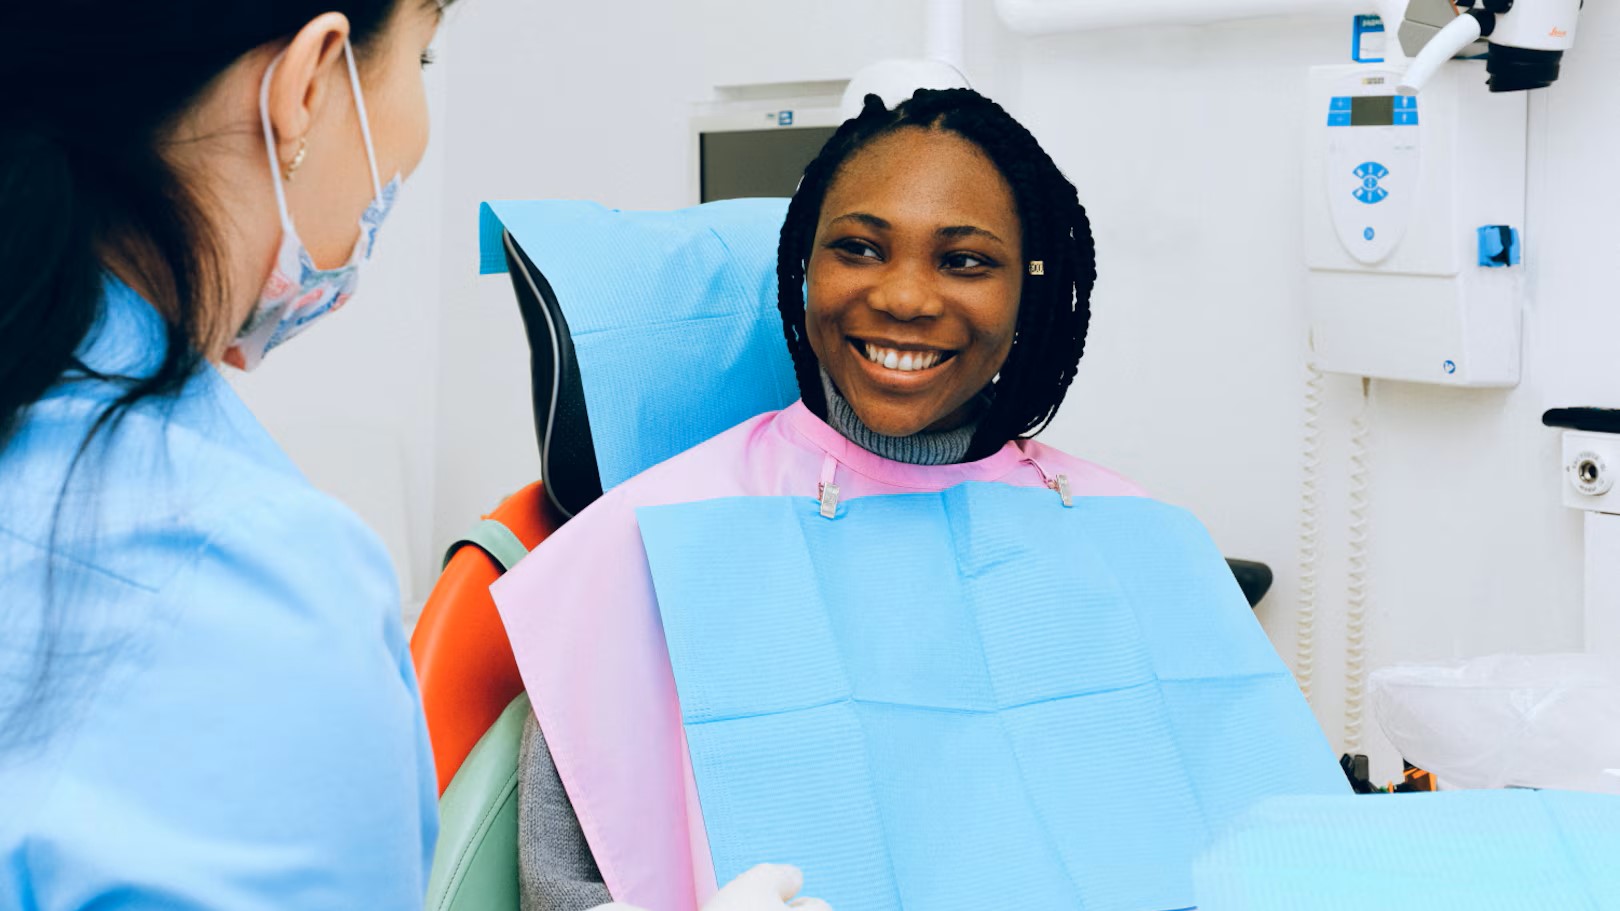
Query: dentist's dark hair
(94, 89)
(1055, 308)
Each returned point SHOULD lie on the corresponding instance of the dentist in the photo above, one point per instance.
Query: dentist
(206, 699)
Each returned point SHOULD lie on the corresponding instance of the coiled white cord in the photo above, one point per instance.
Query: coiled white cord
(1309, 533)
(1355, 618)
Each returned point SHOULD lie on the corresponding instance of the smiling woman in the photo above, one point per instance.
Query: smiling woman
(934, 272)
(912, 310)
(949, 267)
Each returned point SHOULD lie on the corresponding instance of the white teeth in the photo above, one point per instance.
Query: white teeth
(902, 361)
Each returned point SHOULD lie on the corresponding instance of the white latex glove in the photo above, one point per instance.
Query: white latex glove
(767, 887)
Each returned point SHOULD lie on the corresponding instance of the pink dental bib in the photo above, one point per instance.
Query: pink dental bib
(584, 624)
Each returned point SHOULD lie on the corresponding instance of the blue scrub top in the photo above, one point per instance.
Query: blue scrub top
(231, 718)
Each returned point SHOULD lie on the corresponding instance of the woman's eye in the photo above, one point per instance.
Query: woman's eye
(427, 58)
(858, 248)
(965, 262)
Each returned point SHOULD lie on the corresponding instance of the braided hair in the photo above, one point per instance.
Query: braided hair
(1055, 308)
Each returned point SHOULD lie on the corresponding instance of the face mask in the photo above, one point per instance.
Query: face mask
(297, 293)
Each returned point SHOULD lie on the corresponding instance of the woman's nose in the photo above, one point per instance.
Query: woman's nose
(906, 292)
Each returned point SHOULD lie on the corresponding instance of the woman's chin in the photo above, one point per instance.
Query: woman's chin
(890, 424)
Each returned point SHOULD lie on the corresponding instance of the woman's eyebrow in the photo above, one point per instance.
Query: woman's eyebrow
(865, 218)
(949, 232)
(955, 231)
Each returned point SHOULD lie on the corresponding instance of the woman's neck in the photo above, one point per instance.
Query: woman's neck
(945, 447)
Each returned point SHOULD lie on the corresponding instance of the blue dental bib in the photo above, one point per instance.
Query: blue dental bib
(972, 699)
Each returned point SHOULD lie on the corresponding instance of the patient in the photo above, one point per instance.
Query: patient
(934, 277)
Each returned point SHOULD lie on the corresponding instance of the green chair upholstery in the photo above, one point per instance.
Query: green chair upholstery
(475, 866)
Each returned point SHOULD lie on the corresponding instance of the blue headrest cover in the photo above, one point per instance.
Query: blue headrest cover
(673, 316)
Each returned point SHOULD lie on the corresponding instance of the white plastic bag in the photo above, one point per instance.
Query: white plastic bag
(1543, 721)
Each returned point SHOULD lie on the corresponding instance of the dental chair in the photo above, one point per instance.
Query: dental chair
(471, 691)
(586, 277)
(475, 706)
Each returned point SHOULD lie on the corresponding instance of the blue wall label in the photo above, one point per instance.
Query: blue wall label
(784, 119)
(1360, 49)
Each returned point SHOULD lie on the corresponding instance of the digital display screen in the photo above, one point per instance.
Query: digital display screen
(757, 162)
(1372, 111)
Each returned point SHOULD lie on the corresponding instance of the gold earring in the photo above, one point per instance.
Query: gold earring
(1037, 267)
(298, 158)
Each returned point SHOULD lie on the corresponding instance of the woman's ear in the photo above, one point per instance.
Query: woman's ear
(302, 82)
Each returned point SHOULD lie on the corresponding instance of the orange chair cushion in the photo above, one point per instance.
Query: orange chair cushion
(464, 663)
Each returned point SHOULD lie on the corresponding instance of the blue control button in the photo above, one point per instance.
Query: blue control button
(1371, 172)
(1405, 102)
(1369, 234)
(1340, 104)
(1406, 118)
(1338, 119)
(1499, 247)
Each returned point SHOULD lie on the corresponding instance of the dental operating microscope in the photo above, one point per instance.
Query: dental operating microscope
(1527, 39)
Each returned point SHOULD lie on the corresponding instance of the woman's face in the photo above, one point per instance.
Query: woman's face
(332, 189)
(914, 279)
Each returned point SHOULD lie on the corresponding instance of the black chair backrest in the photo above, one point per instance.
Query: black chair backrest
(562, 423)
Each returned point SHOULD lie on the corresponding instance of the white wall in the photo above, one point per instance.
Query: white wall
(1186, 146)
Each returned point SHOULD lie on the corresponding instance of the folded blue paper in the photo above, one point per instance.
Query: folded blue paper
(1462, 850)
(692, 291)
(972, 699)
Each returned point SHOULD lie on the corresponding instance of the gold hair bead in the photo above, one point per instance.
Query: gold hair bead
(1037, 267)
(298, 158)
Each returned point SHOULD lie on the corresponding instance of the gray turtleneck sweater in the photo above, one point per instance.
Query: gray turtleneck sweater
(944, 447)
(555, 864)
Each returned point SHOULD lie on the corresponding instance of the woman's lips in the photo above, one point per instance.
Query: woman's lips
(898, 358)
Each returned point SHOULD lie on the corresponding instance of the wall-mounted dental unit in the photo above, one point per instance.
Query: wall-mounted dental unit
(1415, 194)
(1414, 211)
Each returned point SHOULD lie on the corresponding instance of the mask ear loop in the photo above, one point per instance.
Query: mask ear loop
(270, 145)
(365, 120)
